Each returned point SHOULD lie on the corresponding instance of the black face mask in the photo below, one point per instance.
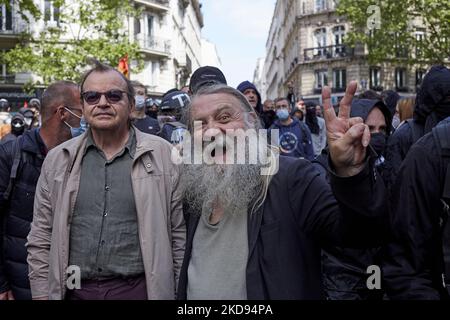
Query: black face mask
(152, 114)
(378, 142)
(270, 113)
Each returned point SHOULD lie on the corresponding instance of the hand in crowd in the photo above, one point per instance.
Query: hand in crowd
(8, 295)
(347, 137)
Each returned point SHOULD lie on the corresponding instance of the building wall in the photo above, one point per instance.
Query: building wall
(210, 56)
(293, 40)
(171, 52)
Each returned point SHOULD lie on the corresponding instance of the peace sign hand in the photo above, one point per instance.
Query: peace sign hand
(347, 137)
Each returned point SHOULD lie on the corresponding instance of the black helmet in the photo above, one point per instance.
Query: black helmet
(174, 101)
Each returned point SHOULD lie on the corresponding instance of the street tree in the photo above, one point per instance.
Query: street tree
(75, 32)
(408, 31)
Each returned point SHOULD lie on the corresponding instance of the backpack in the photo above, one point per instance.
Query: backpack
(441, 136)
(17, 159)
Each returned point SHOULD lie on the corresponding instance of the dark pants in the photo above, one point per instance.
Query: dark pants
(132, 288)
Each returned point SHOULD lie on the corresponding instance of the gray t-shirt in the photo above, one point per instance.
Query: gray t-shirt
(217, 268)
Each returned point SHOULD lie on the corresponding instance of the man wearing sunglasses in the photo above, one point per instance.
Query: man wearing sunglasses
(20, 165)
(108, 215)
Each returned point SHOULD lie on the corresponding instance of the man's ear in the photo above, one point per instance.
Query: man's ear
(61, 113)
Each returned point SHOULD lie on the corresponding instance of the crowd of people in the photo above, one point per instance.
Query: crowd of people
(88, 180)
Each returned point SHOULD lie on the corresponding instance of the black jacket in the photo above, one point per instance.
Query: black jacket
(429, 110)
(413, 263)
(299, 214)
(17, 213)
(345, 269)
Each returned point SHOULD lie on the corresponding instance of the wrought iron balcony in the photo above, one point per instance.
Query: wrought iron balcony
(327, 52)
(155, 44)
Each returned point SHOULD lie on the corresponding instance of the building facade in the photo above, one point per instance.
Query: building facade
(168, 33)
(305, 46)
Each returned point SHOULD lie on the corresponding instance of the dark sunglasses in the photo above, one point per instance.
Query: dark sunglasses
(93, 97)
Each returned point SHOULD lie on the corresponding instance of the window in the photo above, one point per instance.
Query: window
(420, 73)
(375, 79)
(321, 79)
(137, 26)
(321, 5)
(149, 25)
(5, 18)
(339, 78)
(420, 37)
(51, 12)
(339, 33)
(400, 78)
(320, 37)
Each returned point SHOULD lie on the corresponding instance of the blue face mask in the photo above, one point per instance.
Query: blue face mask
(75, 132)
(140, 102)
(282, 114)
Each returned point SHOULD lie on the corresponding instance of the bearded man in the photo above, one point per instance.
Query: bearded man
(258, 236)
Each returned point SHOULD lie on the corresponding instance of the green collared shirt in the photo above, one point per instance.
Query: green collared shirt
(104, 238)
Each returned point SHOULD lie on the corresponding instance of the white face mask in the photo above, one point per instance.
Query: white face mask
(28, 121)
(140, 102)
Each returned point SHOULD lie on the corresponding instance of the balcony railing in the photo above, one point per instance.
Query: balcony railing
(328, 52)
(13, 27)
(155, 44)
(9, 79)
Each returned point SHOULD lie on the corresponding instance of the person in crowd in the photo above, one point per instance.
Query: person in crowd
(298, 114)
(108, 202)
(317, 128)
(28, 114)
(405, 110)
(5, 118)
(140, 120)
(171, 108)
(252, 94)
(268, 115)
(20, 164)
(416, 265)
(345, 269)
(431, 107)
(390, 99)
(258, 236)
(294, 136)
(206, 76)
(319, 111)
(35, 106)
(17, 128)
(291, 97)
(152, 107)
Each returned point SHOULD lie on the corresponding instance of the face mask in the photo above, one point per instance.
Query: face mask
(75, 132)
(282, 114)
(28, 122)
(378, 142)
(152, 114)
(395, 121)
(140, 102)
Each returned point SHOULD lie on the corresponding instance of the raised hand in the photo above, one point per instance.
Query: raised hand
(347, 137)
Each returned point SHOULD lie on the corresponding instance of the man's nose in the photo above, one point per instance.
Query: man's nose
(103, 102)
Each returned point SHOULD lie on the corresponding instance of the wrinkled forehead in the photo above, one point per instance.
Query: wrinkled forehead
(208, 105)
(103, 81)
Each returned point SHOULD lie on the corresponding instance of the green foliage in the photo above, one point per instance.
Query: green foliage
(86, 29)
(26, 7)
(396, 39)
